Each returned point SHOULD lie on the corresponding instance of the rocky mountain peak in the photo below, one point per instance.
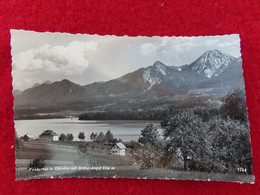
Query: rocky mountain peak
(212, 62)
(158, 64)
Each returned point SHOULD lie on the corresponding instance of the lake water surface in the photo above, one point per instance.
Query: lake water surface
(127, 130)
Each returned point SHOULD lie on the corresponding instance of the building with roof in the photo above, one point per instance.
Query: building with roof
(118, 149)
(49, 135)
(28, 137)
(25, 138)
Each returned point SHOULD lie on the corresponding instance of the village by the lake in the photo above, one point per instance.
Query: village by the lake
(50, 152)
(103, 155)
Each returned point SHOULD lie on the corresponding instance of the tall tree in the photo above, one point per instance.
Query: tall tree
(149, 135)
(230, 144)
(108, 136)
(100, 137)
(93, 136)
(185, 137)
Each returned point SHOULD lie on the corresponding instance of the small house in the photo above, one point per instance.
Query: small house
(55, 137)
(27, 137)
(49, 135)
(118, 149)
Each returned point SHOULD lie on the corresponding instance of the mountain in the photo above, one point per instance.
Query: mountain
(213, 72)
(226, 80)
(38, 84)
(211, 63)
(47, 94)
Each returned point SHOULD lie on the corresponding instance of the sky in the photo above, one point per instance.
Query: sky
(84, 59)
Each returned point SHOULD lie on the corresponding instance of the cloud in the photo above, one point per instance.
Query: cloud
(67, 60)
(148, 49)
(211, 42)
(168, 46)
(229, 43)
(183, 47)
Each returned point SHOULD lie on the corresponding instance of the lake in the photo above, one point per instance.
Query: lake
(127, 130)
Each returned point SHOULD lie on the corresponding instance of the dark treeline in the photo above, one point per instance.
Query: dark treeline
(160, 115)
(32, 117)
(125, 115)
(148, 110)
(21, 114)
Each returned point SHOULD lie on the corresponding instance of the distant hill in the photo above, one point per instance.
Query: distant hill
(38, 84)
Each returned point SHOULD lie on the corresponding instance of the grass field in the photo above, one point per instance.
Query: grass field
(66, 154)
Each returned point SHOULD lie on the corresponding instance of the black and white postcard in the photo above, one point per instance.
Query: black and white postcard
(130, 107)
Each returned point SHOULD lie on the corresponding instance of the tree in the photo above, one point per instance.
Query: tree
(147, 156)
(81, 135)
(185, 137)
(231, 146)
(83, 148)
(149, 135)
(235, 107)
(62, 137)
(214, 143)
(93, 136)
(100, 137)
(47, 134)
(115, 141)
(108, 136)
(69, 137)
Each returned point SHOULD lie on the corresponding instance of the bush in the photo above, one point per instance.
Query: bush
(81, 135)
(62, 137)
(69, 137)
(83, 148)
(147, 156)
(37, 163)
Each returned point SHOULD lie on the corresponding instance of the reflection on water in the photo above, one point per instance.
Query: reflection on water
(126, 130)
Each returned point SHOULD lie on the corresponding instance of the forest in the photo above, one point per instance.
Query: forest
(153, 109)
(199, 139)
